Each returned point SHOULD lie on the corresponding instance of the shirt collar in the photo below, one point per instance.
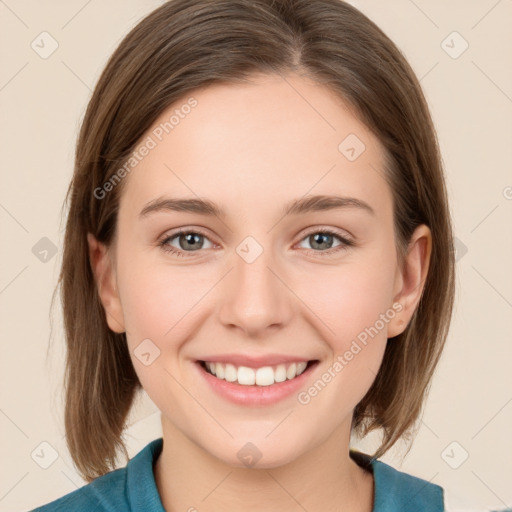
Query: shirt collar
(141, 489)
(393, 489)
(396, 490)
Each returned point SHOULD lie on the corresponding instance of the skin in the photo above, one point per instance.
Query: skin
(251, 148)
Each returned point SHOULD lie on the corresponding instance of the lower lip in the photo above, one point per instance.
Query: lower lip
(256, 395)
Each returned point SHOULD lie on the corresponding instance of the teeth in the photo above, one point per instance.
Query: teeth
(292, 371)
(246, 376)
(230, 374)
(219, 370)
(211, 367)
(280, 373)
(264, 376)
(301, 367)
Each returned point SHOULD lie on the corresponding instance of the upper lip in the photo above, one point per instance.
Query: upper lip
(255, 361)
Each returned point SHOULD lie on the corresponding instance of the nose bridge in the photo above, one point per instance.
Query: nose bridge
(255, 297)
(253, 276)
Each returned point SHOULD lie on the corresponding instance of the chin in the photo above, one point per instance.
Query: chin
(258, 453)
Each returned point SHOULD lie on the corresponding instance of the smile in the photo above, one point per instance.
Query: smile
(247, 382)
(264, 376)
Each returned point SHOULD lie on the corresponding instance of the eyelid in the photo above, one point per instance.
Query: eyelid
(168, 235)
(306, 231)
(342, 233)
(346, 241)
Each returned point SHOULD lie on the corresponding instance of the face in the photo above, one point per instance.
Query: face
(255, 285)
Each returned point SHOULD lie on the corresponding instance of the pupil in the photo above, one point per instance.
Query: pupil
(190, 238)
(318, 238)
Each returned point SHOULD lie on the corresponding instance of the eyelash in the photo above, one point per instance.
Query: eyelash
(346, 243)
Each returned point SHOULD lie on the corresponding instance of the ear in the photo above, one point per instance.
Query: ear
(410, 279)
(105, 277)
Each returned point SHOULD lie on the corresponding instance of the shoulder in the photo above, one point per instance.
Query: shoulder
(398, 491)
(124, 489)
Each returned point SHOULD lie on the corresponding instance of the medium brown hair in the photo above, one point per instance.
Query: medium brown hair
(187, 44)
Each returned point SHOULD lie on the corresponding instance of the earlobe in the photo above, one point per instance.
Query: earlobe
(105, 277)
(410, 279)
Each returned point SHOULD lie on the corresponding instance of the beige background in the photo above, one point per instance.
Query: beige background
(42, 103)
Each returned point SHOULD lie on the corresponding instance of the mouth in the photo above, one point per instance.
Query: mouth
(257, 377)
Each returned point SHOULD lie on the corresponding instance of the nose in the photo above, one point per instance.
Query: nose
(254, 297)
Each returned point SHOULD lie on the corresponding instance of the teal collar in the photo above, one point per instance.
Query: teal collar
(394, 490)
(398, 491)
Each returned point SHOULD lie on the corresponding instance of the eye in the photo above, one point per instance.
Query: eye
(186, 240)
(323, 239)
(193, 241)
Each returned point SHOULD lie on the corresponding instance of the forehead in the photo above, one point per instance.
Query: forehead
(260, 143)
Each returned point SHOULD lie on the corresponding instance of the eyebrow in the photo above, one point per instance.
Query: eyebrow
(297, 206)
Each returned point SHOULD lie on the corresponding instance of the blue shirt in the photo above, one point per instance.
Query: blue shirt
(133, 488)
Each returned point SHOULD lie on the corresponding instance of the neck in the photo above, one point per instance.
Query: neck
(324, 479)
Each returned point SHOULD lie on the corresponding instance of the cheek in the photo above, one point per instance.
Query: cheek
(351, 298)
(160, 304)
(157, 299)
(353, 320)
(353, 316)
